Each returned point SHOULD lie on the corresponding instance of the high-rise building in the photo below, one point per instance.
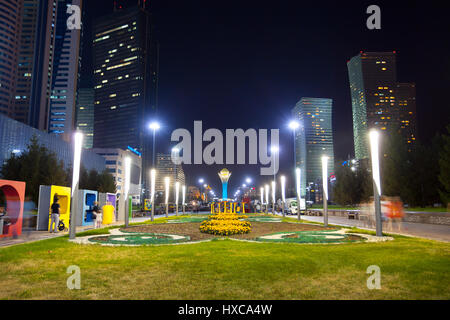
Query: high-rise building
(123, 74)
(10, 18)
(125, 81)
(166, 168)
(43, 92)
(61, 119)
(313, 139)
(406, 100)
(85, 115)
(373, 88)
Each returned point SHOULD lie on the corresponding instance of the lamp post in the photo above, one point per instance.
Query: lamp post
(267, 197)
(201, 180)
(325, 189)
(167, 185)
(273, 196)
(154, 126)
(298, 187)
(153, 182)
(283, 193)
(175, 160)
(374, 141)
(261, 190)
(183, 191)
(78, 143)
(127, 188)
(177, 191)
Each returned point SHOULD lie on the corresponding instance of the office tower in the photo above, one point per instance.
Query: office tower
(64, 73)
(406, 100)
(125, 82)
(9, 40)
(46, 66)
(85, 115)
(122, 47)
(166, 168)
(373, 88)
(43, 57)
(313, 139)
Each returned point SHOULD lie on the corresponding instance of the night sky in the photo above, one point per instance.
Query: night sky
(244, 64)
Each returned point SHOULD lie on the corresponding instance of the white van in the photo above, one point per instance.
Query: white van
(291, 205)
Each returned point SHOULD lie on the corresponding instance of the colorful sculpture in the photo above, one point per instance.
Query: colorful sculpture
(46, 197)
(85, 206)
(14, 192)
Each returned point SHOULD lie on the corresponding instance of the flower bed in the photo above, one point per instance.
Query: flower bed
(225, 224)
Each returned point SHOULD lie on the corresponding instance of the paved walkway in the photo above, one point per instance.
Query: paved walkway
(422, 230)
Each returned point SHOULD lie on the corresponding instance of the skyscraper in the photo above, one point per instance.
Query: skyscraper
(314, 138)
(65, 74)
(374, 89)
(9, 39)
(85, 115)
(125, 82)
(43, 90)
(123, 49)
(406, 100)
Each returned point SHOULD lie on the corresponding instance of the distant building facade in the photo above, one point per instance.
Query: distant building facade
(166, 168)
(15, 137)
(115, 164)
(376, 97)
(313, 139)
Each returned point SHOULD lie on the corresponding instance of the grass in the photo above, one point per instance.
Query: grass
(411, 268)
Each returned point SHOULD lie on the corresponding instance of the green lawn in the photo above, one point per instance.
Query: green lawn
(411, 268)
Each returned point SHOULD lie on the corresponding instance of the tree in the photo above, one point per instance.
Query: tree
(352, 187)
(444, 166)
(36, 166)
(92, 180)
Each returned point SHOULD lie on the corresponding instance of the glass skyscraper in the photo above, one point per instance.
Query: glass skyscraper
(125, 82)
(123, 78)
(375, 101)
(313, 139)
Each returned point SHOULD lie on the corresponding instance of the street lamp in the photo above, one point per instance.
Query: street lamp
(248, 180)
(78, 143)
(183, 191)
(154, 126)
(153, 182)
(298, 187)
(273, 197)
(267, 197)
(177, 191)
(283, 193)
(374, 142)
(167, 185)
(261, 190)
(325, 189)
(127, 188)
